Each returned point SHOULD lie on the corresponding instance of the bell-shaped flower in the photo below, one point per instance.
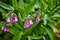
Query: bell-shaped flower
(14, 19)
(30, 23)
(4, 28)
(9, 20)
(37, 19)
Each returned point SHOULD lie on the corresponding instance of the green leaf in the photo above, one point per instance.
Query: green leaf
(18, 26)
(14, 3)
(56, 8)
(18, 36)
(35, 37)
(4, 14)
(52, 22)
(20, 10)
(21, 4)
(29, 7)
(5, 6)
(50, 32)
(56, 16)
(44, 5)
(13, 30)
(45, 19)
(29, 38)
(20, 18)
(0, 24)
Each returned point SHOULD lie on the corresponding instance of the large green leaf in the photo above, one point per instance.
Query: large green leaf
(13, 30)
(4, 13)
(18, 36)
(56, 16)
(18, 26)
(50, 32)
(21, 4)
(29, 7)
(14, 3)
(5, 6)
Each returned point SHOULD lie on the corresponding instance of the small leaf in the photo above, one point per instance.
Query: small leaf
(35, 37)
(45, 19)
(56, 16)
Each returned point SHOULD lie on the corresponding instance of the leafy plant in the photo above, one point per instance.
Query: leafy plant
(49, 15)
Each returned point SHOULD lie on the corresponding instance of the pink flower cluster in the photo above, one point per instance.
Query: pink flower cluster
(5, 29)
(30, 22)
(10, 19)
(14, 19)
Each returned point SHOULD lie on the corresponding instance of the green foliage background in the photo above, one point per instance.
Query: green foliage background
(50, 9)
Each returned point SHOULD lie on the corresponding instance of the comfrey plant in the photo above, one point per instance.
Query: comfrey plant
(30, 20)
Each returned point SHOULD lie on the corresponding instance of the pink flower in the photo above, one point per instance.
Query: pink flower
(2, 28)
(9, 20)
(30, 23)
(26, 26)
(5, 29)
(15, 19)
(37, 19)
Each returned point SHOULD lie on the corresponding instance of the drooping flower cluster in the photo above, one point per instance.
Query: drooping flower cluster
(29, 22)
(12, 18)
(5, 28)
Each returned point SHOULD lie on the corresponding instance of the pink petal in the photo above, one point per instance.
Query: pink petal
(37, 19)
(2, 28)
(26, 26)
(5, 30)
(16, 19)
(30, 22)
(8, 20)
(13, 21)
